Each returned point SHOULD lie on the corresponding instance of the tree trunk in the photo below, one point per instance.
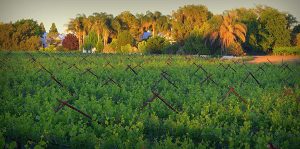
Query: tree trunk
(98, 34)
(83, 37)
(153, 29)
(79, 40)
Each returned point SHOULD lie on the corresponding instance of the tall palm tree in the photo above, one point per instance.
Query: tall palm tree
(230, 32)
(144, 22)
(98, 23)
(87, 25)
(76, 25)
(103, 26)
(163, 26)
(106, 33)
(117, 25)
(153, 18)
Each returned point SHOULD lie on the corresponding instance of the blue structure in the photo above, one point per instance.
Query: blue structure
(146, 35)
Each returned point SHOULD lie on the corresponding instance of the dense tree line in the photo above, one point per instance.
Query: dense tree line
(191, 29)
(21, 35)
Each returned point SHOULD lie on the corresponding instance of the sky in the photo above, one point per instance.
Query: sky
(60, 11)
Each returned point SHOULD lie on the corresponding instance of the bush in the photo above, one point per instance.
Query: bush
(71, 42)
(286, 51)
(195, 45)
(156, 45)
(298, 39)
(33, 43)
(90, 41)
(142, 46)
(109, 49)
(50, 48)
(236, 50)
(99, 46)
(125, 38)
(60, 48)
(126, 49)
(171, 49)
(114, 45)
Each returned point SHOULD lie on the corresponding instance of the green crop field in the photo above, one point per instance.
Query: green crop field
(72, 100)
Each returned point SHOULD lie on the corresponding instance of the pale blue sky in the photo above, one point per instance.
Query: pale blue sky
(60, 11)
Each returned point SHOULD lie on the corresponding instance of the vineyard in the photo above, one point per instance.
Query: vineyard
(72, 100)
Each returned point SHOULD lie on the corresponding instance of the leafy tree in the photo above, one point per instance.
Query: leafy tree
(33, 43)
(295, 32)
(76, 25)
(125, 38)
(298, 39)
(71, 42)
(29, 27)
(188, 18)
(42, 27)
(249, 18)
(129, 22)
(273, 30)
(21, 35)
(156, 45)
(291, 20)
(52, 36)
(6, 33)
(53, 29)
(296, 29)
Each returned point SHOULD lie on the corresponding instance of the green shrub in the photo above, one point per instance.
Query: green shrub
(99, 46)
(123, 42)
(125, 38)
(171, 49)
(156, 45)
(142, 46)
(50, 48)
(33, 43)
(298, 39)
(195, 45)
(61, 48)
(125, 49)
(236, 50)
(287, 51)
(90, 41)
(114, 45)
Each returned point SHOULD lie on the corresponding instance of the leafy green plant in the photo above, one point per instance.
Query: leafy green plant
(195, 45)
(287, 51)
(204, 121)
(156, 45)
(90, 41)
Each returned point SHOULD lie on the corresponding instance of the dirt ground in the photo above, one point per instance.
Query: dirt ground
(275, 59)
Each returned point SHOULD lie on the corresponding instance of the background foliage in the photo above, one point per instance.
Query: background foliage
(191, 29)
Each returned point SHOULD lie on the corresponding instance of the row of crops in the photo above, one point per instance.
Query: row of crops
(71, 100)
